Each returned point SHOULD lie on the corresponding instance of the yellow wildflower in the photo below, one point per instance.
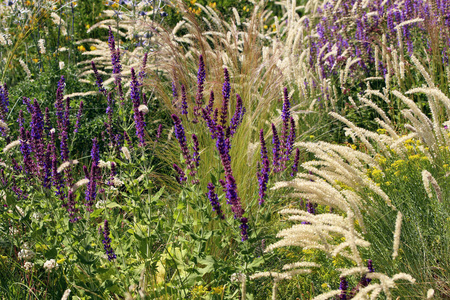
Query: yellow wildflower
(93, 48)
(219, 289)
(193, 2)
(35, 60)
(87, 26)
(265, 26)
(81, 48)
(213, 5)
(381, 131)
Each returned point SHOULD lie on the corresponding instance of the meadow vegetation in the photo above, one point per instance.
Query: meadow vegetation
(225, 150)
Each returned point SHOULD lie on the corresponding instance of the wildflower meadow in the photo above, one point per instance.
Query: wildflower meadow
(196, 149)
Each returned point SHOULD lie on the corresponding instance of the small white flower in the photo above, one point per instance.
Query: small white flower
(430, 293)
(117, 182)
(26, 254)
(41, 44)
(36, 216)
(100, 204)
(51, 264)
(238, 277)
(52, 130)
(104, 164)
(28, 265)
(61, 65)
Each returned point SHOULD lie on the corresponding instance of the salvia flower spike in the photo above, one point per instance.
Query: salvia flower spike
(107, 242)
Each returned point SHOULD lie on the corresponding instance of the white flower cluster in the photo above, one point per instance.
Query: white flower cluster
(41, 44)
(26, 254)
(28, 265)
(51, 264)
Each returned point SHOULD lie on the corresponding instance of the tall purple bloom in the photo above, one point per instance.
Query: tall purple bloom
(181, 175)
(244, 228)
(200, 82)
(295, 164)
(285, 116)
(71, 207)
(142, 71)
(263, 174)
(343, 286)
(107, 242)
(196, 155)
(210, 106)
(115, 61)
(210, 123)
(184, 105)
(225, 98)
(212, 196)
(98, 79)
(238, 115)
(276, 149)
(181, 137)
(138, 116)
(290, 139)
(174, 94)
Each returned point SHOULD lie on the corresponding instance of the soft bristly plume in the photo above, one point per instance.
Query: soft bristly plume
(126, 153)
(11, 146)
(79, 184)
(397, 232)
(428, 179)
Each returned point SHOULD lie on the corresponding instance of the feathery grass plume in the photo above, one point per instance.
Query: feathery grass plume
(79, 184)
(428, 179)
(398, 228)
(41, 44)
(25, 68)
(11, 146)
(66, 164)
(3, 125)
(126, 152)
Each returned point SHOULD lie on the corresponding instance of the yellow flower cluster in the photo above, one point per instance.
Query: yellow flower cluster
(81, 48)
(196, 11)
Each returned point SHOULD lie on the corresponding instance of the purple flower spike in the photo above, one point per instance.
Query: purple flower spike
(295, 164)
(138, 116)
(80, 111)
(276, 149)
(181, 175)
(210, 123)
(174, 95)
(91, 190)
(244, 228)
(212, 196)
(225, 98)
(196, 155)
(263, 174)
(210, 106)
(115, 61)
(107, 242)
(290, 139)
(98, 79)
(142, 71)
(238, 115)
(233, 198)
(343, 286)
(181, 137)
(184, 105)
(200, 82)
(71, 207)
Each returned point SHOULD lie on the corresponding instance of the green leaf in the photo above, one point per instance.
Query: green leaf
(97, 213)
